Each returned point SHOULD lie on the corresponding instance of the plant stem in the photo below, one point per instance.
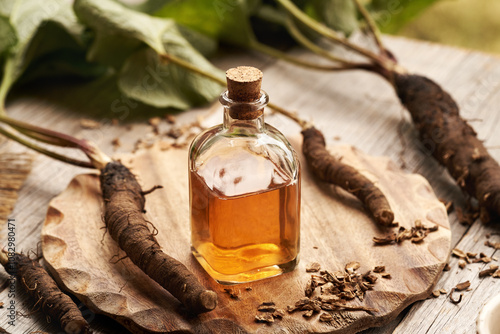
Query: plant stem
(182, 63)
(302, 123)
(293, 60)
(328, 33)
(44, 151)
(7, 81)
(372, 26)
(308, 44)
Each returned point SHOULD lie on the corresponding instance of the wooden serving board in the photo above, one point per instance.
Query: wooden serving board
(335, 230)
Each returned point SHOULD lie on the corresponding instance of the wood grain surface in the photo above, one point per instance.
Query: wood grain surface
(353, 108)
(83, 258)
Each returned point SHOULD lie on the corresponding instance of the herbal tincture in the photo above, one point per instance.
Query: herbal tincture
(244, 180)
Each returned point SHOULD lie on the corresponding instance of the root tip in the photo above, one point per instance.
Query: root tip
(386, 218)
(208, 299)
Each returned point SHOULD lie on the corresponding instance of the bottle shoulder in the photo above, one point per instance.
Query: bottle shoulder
(234, 162)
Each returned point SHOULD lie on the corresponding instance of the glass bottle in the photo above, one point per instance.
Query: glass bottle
(244, 180)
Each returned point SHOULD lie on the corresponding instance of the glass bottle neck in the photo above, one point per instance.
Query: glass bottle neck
(241, 117)
(232, 124)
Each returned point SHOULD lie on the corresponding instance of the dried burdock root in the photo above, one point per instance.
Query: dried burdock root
(451, 140)
(124, 206)
(330, 169)
(43, 289)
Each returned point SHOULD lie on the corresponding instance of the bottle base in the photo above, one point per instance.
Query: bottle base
(245, 277)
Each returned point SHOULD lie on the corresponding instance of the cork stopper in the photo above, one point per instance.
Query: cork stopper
(243, 85)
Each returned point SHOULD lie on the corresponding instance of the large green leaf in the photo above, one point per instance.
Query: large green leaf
(8, 36)
(27, 19)
(133, 42)
(224, 20)
(393, 15)
(340, 15)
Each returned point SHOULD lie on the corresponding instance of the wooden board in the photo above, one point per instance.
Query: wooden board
(335, 230)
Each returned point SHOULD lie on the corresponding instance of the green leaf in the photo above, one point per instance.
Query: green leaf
(340, 15)
(8, 36)
(26, 17)
(392, 15)
(133, 42)
(226, 20)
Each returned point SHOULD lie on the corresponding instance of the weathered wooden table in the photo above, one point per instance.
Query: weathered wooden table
(357, 107)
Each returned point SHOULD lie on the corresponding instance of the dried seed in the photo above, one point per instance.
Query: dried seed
(386, 276)
(379, 269)
(248, 288)
(495, 245)
(442, 291)
(459, 253)
(279, 313)
(170, 119)
(436, 293)
(352, 267)
(86, 123)
(488, 272)
(455, 301)
(266, 308)
(313, 267)
(447, 267)
(264, 317)
(385, 240)
(496, 274)
(234, 294)
(462, 264)
(302, 301)
(325, 317)
(310, 286)
(471, 255)
(308, 314)
(462, 286)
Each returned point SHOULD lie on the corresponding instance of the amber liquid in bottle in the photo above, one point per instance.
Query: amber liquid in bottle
(248, 236)
(244, 180)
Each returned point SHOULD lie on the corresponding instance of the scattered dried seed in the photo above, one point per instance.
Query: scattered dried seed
(86, 123)
(116, 143)
(459, 253)
(232, 293)
(248, 288)
(379, 269)
(436, 293)
(325, 317)
(443, 291)
(488, 272)
(279, 313)
(462, 286)
(266, 308)
(386, 276)
(313, 267)
(264, 317)
(352, 266)
(462, 264)
(447, 267)
(455, 301)
(308, 314)
(471, 255)
(495, 245)
(385, 240)
(170, 119)
(496, 274)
